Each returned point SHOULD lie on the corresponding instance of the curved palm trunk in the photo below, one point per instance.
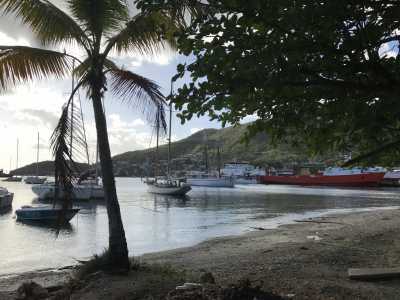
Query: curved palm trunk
(118, 249)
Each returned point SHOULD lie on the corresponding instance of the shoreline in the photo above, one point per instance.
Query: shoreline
(311, 256)
(281, 221)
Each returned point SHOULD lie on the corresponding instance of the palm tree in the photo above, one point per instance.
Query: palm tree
(99, 28)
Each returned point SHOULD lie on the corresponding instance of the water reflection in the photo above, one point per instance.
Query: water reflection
(160, 222)
(51, 227)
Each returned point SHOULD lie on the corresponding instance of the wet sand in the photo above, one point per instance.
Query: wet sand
(306, 260)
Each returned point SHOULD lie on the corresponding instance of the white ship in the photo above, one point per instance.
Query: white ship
(242, 172)
(209, 180)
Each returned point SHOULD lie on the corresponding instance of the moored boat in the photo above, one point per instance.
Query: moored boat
(391, 178)
(211, 181)
(175, 187)
(13, 179)
(35, 180)
(331, 177)
(242, 172)
(48, 191)
(45, 214)
(6, 198)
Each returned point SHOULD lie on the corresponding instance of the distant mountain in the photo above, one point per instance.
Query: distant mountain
(45, 168)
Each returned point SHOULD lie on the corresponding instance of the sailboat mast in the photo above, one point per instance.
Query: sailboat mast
(157, 139)
(206, 152)
(169, 133)
(37, 156)
(16, 165)
(72, 108)
(219, 161)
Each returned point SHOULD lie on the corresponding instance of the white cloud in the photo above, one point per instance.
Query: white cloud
(6, 40)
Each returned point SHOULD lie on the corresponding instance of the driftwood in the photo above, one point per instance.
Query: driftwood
(374, 273)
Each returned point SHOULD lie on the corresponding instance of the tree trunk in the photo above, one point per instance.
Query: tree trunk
(118, 249)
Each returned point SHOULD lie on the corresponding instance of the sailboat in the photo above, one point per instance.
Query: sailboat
(36, 179)
(207, 179)
(85, 189)
(167, 185)
(15, 178)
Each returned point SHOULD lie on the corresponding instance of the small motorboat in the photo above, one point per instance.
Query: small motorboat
(35, 180)
(6, 198)
(45, 214)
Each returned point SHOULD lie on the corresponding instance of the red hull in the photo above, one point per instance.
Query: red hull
(366, 179)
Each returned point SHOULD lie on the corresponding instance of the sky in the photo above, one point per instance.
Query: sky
(36, 106)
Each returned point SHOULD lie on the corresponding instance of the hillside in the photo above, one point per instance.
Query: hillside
(45, 168)
(189, 153)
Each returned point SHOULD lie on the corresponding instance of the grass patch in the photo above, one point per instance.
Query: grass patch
(99, 262)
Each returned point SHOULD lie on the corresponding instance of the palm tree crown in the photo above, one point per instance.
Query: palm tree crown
(98, 27)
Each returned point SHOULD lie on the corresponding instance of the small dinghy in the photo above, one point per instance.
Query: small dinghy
(6, 198)
(45, 214)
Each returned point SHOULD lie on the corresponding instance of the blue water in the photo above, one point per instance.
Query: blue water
(154, 223)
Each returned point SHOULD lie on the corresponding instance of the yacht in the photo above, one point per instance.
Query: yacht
(167, 185)
(242, 172)
(48, 191)
(209, 180)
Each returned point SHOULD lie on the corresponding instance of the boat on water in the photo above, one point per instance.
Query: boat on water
(355, 177)
(209, 180)
(4, 175)
(6, 198)
(166, 185)
(48, 191)
(45, 214)
(36, 179)
(242, 172)
(391, 178)
(13, 179)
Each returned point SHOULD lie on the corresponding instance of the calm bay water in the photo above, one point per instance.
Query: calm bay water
(155, 223)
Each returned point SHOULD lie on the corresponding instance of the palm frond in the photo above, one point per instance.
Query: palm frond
(68, 145)
(145, 34)
(99, 16)
(143, 93)
(20, 64)
(50, 24)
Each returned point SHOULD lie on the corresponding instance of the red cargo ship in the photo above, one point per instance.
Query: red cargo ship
(354, 179)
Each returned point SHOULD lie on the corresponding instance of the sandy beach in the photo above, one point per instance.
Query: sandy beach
(306, 260)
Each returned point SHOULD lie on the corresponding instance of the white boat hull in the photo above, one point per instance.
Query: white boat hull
(45, 191)
(176, 191)
(212, 182)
